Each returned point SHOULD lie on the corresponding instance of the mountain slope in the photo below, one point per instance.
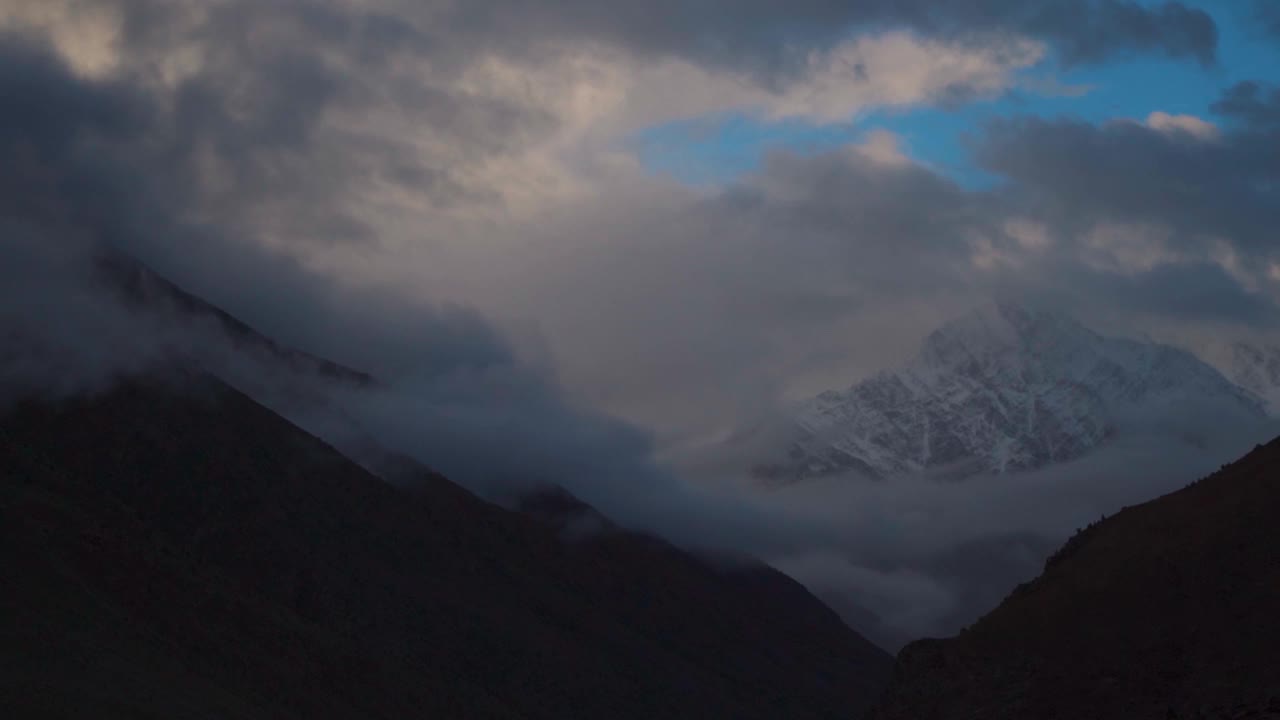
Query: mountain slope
(1164, 610)
(141, 287)
(1256, 368)
(175, 549)
(1001, 389)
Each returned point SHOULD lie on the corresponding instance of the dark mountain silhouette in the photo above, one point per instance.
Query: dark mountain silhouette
(171, 548)
(1170, 609)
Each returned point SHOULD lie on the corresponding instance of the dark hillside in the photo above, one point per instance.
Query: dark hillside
(1170, 609)
(173, 549)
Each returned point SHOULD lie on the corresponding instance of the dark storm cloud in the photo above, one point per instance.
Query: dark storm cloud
(102, 164)
(1255, 105)
(768, 38)
(1268, 12)
(64, 142)
(191, 177)
(251, 125)
(90, 167)
(1123, 171)
(47, 109)
(1192, 292)
(1092, 31)
(900, 207)
(1167, 204)
(762, 38)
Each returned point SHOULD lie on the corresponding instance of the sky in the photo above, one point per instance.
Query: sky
(699, 211)
(717, 148)
(594, 232)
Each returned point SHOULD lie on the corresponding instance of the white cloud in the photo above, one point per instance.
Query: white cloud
(899, 69)
(1187, 124)
(990, 253)
(883, 148)
(1029, 234)
(87, 36)
(986, 255)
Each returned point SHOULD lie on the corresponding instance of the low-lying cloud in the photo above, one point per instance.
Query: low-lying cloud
(973, 540)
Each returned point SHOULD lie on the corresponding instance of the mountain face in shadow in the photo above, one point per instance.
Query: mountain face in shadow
(1164, 610)
(174, 549)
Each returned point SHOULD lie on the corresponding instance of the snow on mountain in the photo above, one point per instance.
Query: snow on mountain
(1254, 367)
(1001, 389)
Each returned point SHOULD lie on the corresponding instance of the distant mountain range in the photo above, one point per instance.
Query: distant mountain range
(1006, 388)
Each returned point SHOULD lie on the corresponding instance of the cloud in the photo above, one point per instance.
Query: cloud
(929, 557)
(442, 106)
(1125, 172)
(762, 36)
(685, 309)
(1251, 103)
(93, 166)
(1091, 31)
(1189, 124)
(898, 69)
(1269, 14)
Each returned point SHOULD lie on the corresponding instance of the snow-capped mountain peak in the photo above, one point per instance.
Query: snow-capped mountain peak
(999, 389)
(1005, 335)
